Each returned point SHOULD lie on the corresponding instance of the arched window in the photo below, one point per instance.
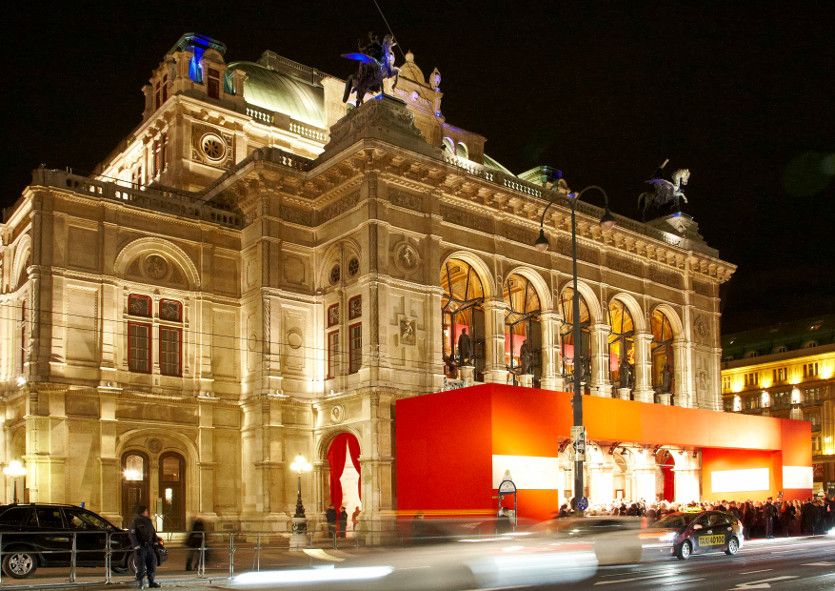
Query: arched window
(522, 327)
(449, 145)
(567, 337)
(661, 350)
(462, 308)
(621, 346)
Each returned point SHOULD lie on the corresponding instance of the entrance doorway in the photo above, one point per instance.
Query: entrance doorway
(667, 481)
(172, 491)
(135, 485)
(345, 475)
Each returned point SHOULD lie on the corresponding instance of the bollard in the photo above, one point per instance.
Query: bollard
(201, 565)
(73, 557)
(232, 550)
(108, 560)
(257, 552)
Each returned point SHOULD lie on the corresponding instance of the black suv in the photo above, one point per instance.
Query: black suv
(39, 534)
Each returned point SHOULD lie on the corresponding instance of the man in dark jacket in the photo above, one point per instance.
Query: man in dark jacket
(143, 537)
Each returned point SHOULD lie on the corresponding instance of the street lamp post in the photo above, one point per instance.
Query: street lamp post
(298, 539)
(14, 470)
(607, 221)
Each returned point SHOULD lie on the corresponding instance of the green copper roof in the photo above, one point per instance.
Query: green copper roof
(496, 165)
(274, 91)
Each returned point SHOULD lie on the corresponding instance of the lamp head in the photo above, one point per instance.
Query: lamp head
(607, 220)
(15, 468)
(300, 464)
(541, 243)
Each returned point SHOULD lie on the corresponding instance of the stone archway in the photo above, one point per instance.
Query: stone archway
(344, 475)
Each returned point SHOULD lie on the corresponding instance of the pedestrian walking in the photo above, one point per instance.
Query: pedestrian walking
(195, 542)
(343, 521)
(143, 538)
(330, 516)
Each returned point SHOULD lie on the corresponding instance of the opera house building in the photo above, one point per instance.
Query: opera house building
(260, 271)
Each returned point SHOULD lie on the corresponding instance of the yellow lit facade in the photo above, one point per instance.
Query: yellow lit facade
(787, 370)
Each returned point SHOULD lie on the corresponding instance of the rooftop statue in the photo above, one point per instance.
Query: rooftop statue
(667, 194)
(376, 63)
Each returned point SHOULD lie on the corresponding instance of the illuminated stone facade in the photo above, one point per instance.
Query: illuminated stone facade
(787, 370)
(256, 270)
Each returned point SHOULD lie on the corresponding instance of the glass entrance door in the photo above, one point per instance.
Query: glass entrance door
(172, 491)
(135, 486)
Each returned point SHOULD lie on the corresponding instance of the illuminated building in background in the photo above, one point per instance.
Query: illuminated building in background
(258, 272)
(787, 370)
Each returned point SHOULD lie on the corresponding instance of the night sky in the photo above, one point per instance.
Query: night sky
(741, 93)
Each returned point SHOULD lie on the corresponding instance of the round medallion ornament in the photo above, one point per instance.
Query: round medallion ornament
(155, 267)
(294, 339)
(213, 146)
(337, 413)
(154, 445)
(406, 257)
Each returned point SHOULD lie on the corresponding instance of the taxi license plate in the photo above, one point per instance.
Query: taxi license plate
(712, 540)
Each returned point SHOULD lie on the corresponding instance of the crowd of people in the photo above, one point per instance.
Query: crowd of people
(760, 519)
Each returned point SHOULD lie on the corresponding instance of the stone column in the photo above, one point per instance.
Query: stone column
(687, 487)
(600, 384)
(644, 478)
(642, 389)
(601, 484)
(551, 378)
(495, 368)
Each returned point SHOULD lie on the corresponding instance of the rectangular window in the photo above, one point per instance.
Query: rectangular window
(355, 356)
(751, 379)
(139, 347)
(164, 88)
(333, 315)
(354, 307)
(810, 370)
(157, 96)
(214, 84)
(170, 351)
(333, 353)
(157, 158)
(726, 384)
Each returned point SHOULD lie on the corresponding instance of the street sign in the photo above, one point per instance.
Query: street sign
(578, 443)
(582, 504)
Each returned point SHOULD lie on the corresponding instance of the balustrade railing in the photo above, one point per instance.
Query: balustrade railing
(154, 199)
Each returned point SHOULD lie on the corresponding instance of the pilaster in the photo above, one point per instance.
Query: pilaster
(600, 384)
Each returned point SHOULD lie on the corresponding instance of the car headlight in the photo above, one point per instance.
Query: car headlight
(668, 537)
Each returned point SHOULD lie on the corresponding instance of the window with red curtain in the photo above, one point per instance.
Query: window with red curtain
(336, 461)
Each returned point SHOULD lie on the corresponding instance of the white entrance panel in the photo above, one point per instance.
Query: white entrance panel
(527, 472)
(350, 481)
(728, 481)
(797, 477)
